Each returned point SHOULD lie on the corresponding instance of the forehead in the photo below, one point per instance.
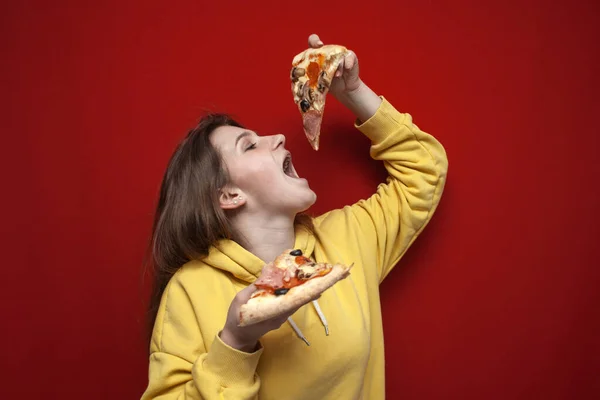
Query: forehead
(224, 137)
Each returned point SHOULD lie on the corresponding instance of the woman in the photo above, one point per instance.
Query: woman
(228, 204)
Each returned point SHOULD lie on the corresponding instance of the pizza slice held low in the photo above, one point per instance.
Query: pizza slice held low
(312, 72)
(287, 283)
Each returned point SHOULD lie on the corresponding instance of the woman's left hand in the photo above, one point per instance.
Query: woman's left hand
(346, 80)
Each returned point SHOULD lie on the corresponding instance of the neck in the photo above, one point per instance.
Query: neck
(265, 236)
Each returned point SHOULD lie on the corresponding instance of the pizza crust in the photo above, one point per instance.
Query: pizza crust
(268, 306)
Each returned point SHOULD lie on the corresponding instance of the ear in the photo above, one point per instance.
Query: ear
(231, 198)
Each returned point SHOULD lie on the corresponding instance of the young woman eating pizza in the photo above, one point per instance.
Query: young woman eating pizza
(231, 202)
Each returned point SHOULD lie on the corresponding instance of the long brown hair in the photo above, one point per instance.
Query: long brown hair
(188, 218)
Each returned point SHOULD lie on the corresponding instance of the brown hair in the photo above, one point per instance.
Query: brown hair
(188, 218)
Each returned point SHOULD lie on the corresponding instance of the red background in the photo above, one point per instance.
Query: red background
(497, 300)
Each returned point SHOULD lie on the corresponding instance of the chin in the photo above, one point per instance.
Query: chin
(310, 200)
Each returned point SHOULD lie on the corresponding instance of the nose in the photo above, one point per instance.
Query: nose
(278, 141)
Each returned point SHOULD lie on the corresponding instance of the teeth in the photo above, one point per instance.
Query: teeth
(287, 166)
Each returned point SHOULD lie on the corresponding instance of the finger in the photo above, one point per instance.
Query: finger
(314, 41)
(350, 60)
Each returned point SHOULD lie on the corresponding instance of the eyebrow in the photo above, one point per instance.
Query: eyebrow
(241, 136)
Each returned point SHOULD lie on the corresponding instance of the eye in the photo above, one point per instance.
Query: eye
(251, 147)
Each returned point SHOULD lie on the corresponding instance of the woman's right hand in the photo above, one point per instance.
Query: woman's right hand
(245, 338)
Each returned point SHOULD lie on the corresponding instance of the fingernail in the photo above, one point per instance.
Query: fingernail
(319, 43)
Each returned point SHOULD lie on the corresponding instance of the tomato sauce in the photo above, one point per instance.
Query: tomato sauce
(313, 72)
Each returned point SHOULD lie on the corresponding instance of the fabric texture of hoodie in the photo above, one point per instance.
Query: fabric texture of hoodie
(188, 360)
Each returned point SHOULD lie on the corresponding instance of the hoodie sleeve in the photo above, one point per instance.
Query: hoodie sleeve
(181, 365)
(381, 228)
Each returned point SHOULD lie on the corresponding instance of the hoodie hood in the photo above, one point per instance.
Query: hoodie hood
(229, 256)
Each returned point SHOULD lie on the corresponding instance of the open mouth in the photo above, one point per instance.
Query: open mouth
(288, 167)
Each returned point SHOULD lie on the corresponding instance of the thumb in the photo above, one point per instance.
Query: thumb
(244, 295)
(314, 41)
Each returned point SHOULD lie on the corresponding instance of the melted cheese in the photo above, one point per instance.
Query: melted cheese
(308, 270)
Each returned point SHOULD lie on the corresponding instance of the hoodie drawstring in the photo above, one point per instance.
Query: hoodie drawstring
(321, 317)
(297, 330)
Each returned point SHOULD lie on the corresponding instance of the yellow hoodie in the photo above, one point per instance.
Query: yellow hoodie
(189, 361)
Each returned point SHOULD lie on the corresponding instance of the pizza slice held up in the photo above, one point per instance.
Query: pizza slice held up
(288, 282)
(312, 72)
